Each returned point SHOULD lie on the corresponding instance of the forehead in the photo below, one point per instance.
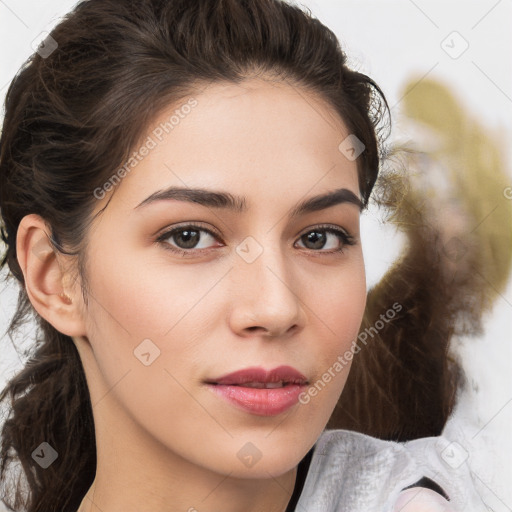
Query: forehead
(266, 106)
(258, 136)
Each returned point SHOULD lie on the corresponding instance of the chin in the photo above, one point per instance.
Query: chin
(273, 467)
(270, 459)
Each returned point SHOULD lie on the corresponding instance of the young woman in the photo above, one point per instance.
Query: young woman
(181, 188)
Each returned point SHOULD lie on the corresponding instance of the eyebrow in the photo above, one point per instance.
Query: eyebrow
(237, 204)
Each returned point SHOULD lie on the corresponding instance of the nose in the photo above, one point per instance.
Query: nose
(266, 298)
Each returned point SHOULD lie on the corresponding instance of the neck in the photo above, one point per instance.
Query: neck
(136, 472)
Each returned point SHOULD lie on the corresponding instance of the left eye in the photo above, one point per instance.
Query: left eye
(318, 236)
(187, 237)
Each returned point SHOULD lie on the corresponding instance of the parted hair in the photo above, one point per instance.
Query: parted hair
(73, 117)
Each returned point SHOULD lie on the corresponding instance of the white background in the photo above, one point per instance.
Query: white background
(394, 42)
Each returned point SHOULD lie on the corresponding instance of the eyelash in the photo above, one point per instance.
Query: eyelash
(345, 237)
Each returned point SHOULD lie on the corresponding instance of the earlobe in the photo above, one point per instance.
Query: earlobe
(45, 277)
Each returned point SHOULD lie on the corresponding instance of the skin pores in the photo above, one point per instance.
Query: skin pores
(162, 435)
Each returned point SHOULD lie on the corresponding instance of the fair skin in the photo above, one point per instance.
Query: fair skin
(165, 441)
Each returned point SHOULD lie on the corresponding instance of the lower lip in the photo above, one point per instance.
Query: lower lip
(260, 401)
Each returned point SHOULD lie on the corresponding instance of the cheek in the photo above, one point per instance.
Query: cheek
(147, 301)
(338, 312)
(144, 328)
(340, 306)
(156, 323)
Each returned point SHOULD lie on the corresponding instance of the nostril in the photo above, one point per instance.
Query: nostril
(256, 328)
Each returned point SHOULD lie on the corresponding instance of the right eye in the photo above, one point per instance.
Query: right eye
(186, 237)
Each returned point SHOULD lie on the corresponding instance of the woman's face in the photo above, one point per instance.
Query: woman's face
(250, 287)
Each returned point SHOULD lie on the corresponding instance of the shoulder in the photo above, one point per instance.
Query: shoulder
(353, 471)
(419, 499)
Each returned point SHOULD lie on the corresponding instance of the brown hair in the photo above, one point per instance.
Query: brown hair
(72, 118)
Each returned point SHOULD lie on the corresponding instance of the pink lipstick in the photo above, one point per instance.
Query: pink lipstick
(261, 392)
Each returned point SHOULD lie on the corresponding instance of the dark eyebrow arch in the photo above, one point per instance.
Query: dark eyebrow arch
(225, 200)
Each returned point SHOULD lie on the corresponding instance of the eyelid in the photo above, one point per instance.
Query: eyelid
(325, 227)
(190, 224)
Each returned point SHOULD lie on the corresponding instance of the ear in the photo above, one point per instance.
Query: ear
(49, 287)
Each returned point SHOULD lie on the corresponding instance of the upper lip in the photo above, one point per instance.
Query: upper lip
(285, 374)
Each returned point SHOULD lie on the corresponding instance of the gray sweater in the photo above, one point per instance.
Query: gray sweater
(353, 472)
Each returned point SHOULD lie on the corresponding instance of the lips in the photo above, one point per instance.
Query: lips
(260, 378)
(260, 392)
